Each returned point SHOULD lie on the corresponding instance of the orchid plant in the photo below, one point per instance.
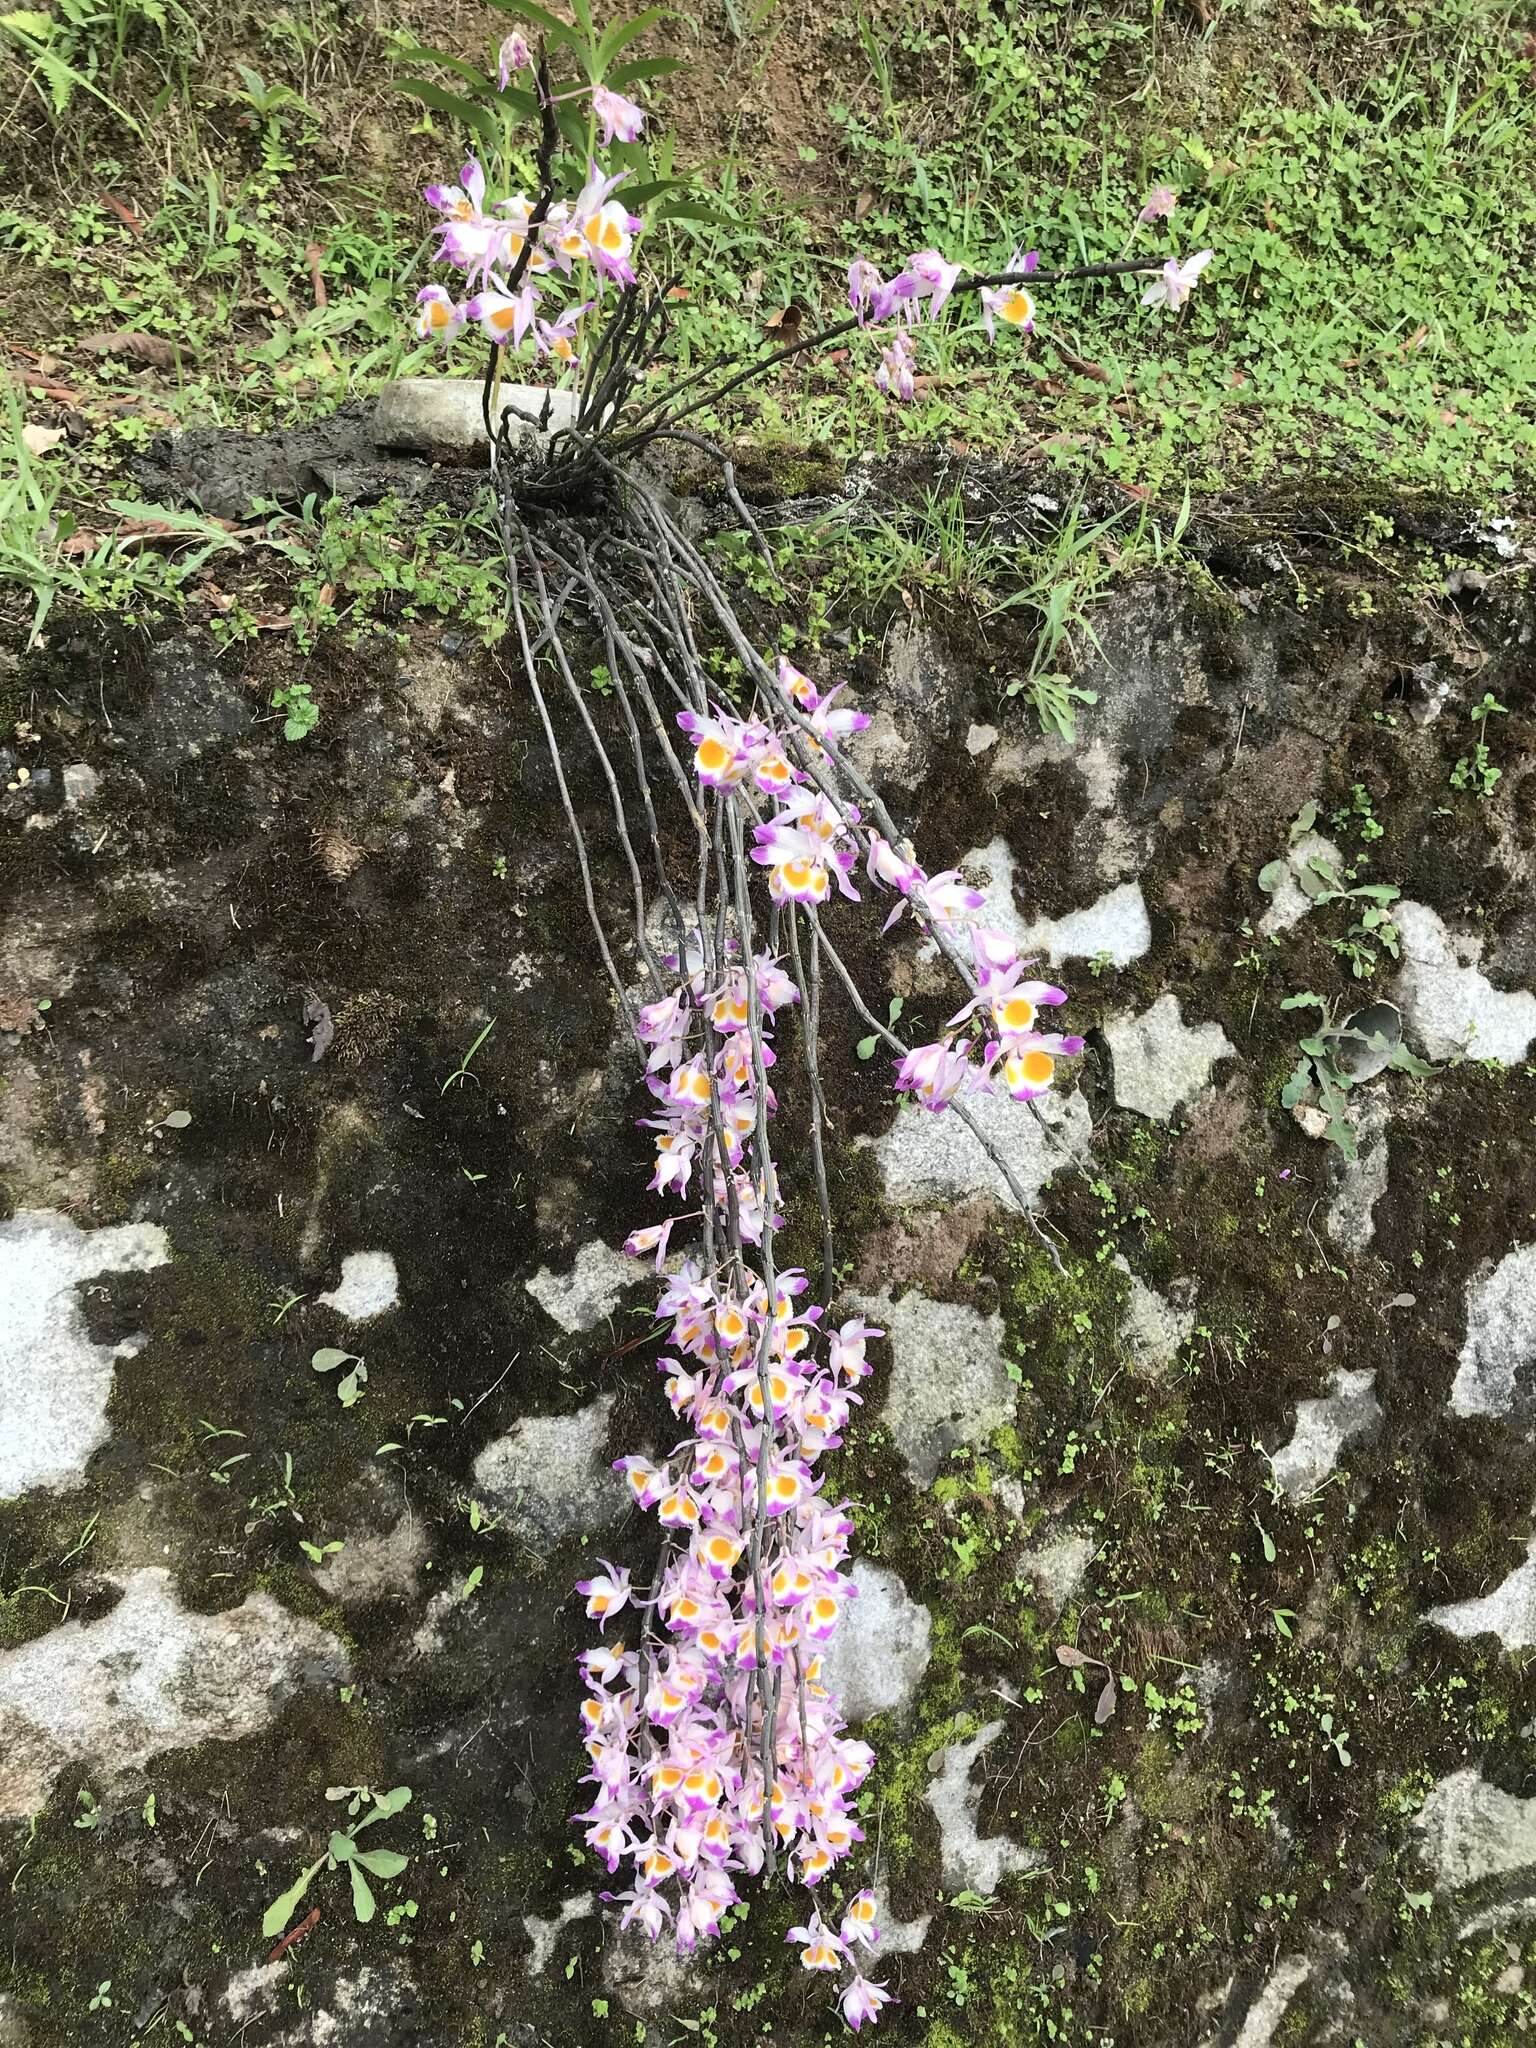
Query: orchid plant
(715, 1746)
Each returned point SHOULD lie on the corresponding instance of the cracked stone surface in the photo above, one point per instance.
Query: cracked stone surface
(1508, 1612)
(1500, 1346)
(1115, 928)
(971, 1861)
(580, 1299)
(1153, 1327)
(55, 1382)
(1263, 2017)
(928, 1158)
(1160, 1061)
(1469, 1830)
(876, 1661)
(376, 1564)
(1351, 1217)
(1450, 1007)
(369, 1285)
(1059, 1567)
(1290, 902)
(549, 1475)
(149, 1677)
(1348, 1412)
(948, 1387)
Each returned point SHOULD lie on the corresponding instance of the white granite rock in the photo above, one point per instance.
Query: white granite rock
(970, 1860)
(948, 1386)
(1153, 1329)
(1270, 2006)
(1289, 903)
(875, 1662)
(1324, 1426)
(1508, 1612)
(376, 1565)
(442, 419)
(1115, 928)
(1470, 1830)
(580, 1299)
(549, 1475)
(1452, 1009)
(1351, 1217)
(1500, 1342)
(929, 1158)
(543, 1934)
(146, 1678)
(1059, 1567)
(368, 1286)
(54, 1382)
(1160, 1061)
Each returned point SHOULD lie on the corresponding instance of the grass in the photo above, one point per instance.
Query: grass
(244, 187)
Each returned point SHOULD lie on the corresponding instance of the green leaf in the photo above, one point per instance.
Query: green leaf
(385, 1806)
(475, 1576)
(866, 1047)
(1297, 1085)
(1271, 875)
(1304, 820)
(280, 1912)
(362, 1898)
(349, 1389)
(1306, 1000)
(621, 34)
(1409, 1062)
(341, 1847)
(327, 1358)
(476, 119)
(178, 1120)
(641, 72)
(470, 76)
(384, 1863)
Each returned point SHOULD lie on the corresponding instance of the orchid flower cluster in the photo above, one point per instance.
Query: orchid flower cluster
(505, 281)
(724, 1750)
(714, 1744)
(921, 289)
(813, 842)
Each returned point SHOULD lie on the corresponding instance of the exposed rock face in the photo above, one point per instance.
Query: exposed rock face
(549, 1475)
(148, 1677)
(971, 1861)
(1470, 1830)
(1451, 1008)
(580, 1299)
(1508, 1612)
(54, 1381)
(929, 1158)
(1500, 1349)
(369, 1286)
(1348, 1412)
(949, 1387)
(876, 1661)
(1160, 1061)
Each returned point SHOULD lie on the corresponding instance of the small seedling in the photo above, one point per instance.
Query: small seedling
(176, 1121)
(342, 1849)
(297, 702)
(101, 2000)
(1476, 770)
(866, 1046)
(1321, 1066)
(349, 1388)
(461, 1072)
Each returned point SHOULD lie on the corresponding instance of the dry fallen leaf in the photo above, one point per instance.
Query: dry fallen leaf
(153, 350)
(38, 440)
